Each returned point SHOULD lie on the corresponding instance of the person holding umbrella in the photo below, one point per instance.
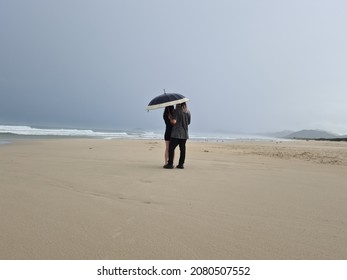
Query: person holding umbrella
(179, 135)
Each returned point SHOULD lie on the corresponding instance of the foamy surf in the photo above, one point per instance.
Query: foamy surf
(32, 131)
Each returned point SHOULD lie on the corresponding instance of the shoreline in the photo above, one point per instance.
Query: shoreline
(8, 137)
(93, 199)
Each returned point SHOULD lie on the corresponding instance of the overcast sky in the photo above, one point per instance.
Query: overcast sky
(246, 65)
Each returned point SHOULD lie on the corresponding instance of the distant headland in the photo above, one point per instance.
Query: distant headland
(309, 134)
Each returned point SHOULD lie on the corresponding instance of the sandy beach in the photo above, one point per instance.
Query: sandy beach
(111, 199)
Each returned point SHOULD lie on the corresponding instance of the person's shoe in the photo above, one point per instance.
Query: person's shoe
(180, 166)
(168, 166)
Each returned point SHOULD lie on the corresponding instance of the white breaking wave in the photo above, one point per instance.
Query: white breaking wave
(30, 131)
(131, 134)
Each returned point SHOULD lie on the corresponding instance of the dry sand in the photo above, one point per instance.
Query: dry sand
(111, 199)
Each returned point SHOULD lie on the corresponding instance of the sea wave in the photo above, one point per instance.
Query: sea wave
(18, 131)
(32, 131)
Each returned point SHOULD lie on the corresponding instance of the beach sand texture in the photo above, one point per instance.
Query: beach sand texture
(111, 199)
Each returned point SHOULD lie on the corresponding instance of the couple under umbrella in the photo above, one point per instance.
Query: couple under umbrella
(177, 121)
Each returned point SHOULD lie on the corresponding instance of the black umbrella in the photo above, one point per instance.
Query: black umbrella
(166, 99)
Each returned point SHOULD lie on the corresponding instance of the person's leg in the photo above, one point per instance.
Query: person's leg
(167, 144)
(182, 144)
(173, 144)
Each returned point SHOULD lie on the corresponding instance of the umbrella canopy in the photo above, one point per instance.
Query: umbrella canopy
(166, 99)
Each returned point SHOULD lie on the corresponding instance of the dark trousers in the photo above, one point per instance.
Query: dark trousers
(174, 142)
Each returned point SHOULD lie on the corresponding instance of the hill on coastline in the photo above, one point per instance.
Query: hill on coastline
(307, 134)
(311, 134)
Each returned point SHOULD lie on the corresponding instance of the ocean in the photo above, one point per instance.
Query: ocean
(9, 133)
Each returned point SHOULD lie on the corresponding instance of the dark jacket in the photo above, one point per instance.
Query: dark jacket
(180, 129)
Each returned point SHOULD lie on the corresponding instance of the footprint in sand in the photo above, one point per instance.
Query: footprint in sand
(117, 233)
(146, 181)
